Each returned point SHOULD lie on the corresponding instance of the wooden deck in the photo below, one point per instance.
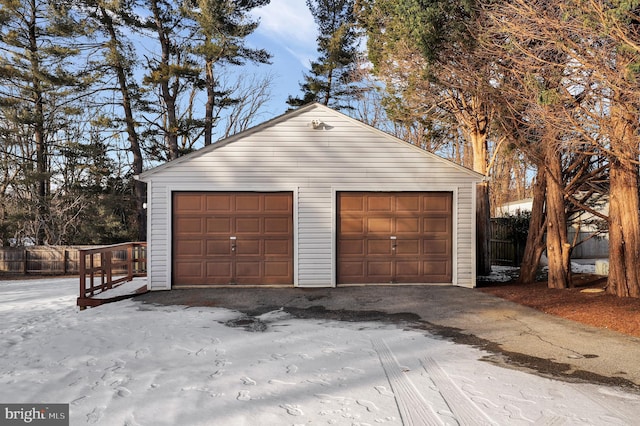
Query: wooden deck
(106, 268)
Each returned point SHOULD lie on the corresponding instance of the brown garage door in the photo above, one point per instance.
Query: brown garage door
(394, 237)
(232, 238)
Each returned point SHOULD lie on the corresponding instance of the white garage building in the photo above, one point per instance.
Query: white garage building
(312, 198)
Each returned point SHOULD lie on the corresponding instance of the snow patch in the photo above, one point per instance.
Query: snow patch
(138, 364)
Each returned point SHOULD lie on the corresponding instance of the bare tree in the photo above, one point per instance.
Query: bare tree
(576, 59)
(251, 95)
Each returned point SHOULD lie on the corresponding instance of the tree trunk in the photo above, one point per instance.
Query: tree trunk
(535, 238)
(478, 140)
(483, 229)
(38, 131)
(171, 132)
(132, 134)
(168, 96)
(624, 223)
(558, 248)
(208, 108)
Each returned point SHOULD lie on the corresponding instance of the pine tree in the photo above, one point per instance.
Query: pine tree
(119, 61)
(220, 32)
(38, 43)
(331, 78)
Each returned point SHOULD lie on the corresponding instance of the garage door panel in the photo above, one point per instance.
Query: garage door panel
(248, 269)
(277, 268)
(248, 225)
(222, 238)
(277, 225)
(410, 225)
(353, 247)
(218, 247)
(277, 204)
(277, 247)
(408, 247)
(350, 225)
(437, 268)
(349, 203)
(186, 248)
(396, 237)
(436, 225)
(218, 203)
(408, 270)
(379, 203)
(376, 225)
(218, 225)
(248, 247)
(379, 247)
(249, 203)
(189, 269)
(189, 204)
(435, 203)
(436, 247)
(407, 203)
(218, 270)
(352, 269)
(188, 225)
(382, 269)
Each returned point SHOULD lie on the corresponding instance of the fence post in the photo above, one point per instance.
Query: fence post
(25, 263)
(83, 274)
(130, 262)
(107, 266)
(92, 274)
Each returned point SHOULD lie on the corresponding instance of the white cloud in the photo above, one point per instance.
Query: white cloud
(290, 24)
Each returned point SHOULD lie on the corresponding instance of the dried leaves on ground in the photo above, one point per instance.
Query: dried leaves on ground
(584, 303)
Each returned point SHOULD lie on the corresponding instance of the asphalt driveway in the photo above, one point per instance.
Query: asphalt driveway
(515, 336)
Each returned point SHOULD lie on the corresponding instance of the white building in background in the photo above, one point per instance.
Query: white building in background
(583, 226)
(515, 207)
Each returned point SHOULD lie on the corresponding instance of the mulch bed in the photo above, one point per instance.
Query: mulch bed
(598, 309)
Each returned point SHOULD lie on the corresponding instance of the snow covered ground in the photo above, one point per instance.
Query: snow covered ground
(508, 273)
(129, 363)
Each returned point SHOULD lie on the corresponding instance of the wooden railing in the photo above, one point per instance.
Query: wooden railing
(106, 267)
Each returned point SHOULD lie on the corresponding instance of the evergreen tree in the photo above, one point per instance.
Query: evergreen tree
(219, 35)
(331, 80)
(170, 73)
(38, 44)
(118, 60)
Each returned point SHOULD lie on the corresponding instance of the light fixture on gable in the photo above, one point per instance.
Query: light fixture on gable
(316, 124)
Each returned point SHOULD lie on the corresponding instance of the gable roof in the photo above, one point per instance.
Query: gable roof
(286, 116)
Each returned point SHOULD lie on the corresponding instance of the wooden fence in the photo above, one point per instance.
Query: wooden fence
(508, 249)
(40, 260)
(505, 250)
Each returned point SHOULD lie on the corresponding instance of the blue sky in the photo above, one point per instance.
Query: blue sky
(288, 32)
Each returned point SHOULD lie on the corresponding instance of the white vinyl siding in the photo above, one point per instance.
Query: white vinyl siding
(314, 236)
(288, 155)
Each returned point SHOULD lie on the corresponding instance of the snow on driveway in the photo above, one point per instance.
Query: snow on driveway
(129, 363)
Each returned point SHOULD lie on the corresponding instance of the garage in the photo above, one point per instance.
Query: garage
(310, 199)
(224, 238)
(402, 237)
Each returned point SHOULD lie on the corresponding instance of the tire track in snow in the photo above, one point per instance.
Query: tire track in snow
(464, 409)
(414, 410)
